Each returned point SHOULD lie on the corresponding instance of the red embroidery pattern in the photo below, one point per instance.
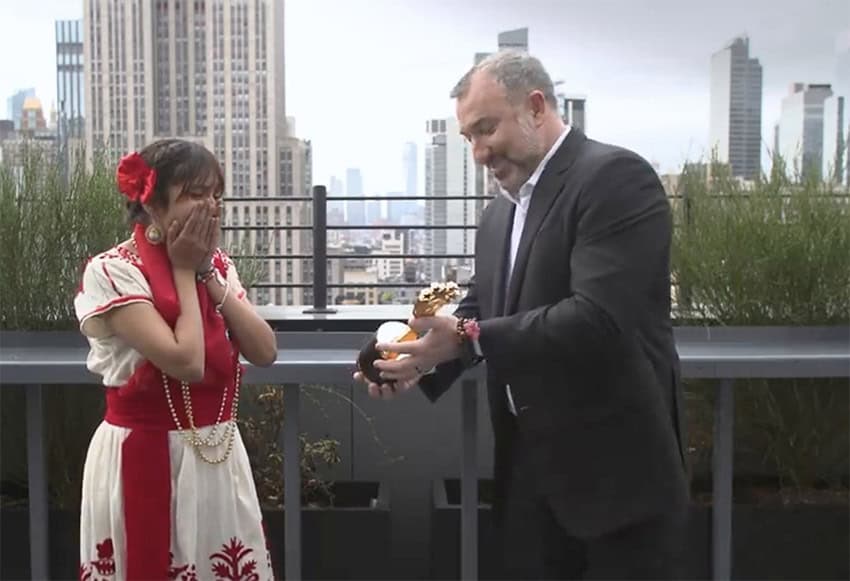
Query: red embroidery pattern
(85, 573)
(120, 253)
(221, 262)
(228, 563)
(104, 565)
(184, 573)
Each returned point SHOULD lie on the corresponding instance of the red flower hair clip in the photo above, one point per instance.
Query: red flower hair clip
(136, 179)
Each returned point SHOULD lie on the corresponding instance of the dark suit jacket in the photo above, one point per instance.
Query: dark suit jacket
(583, 338)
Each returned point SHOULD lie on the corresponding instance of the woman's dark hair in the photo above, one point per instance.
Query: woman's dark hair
(176, 161)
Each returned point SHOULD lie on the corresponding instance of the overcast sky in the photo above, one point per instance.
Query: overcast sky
(362, 76)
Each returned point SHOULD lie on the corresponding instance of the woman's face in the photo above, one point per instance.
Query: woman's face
(182, 200)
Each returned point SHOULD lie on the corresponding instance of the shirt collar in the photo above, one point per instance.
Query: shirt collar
(526, 188)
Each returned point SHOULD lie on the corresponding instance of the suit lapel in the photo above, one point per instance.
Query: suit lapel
(544, 195)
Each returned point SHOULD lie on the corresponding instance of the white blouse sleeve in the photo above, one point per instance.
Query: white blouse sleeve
(109, 281)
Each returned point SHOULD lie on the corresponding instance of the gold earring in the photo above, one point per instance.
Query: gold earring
(153, 234)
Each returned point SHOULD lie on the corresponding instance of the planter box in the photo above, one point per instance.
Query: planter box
(63, 543)
(791, 542)
(806, 537)
(769, 542)
(445, 535)
(445, 539)
(775, 542)
(347, 541)
(350, 540)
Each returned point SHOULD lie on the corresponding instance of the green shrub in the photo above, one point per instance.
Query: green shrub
(775, 253)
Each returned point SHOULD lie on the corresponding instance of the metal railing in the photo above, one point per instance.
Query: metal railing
(320, 227)
(723, 354)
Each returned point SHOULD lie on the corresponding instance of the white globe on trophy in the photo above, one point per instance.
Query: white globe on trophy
(428, 302)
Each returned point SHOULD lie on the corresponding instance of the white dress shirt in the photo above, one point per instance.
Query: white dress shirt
(522, 201)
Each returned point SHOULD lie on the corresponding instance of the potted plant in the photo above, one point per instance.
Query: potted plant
(345, 524)
(772, 253)
(50, 222)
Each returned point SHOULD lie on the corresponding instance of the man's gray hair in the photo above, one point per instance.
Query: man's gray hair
(517, 71)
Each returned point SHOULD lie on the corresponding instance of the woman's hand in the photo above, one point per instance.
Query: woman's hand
(192, 244)
(215, 237)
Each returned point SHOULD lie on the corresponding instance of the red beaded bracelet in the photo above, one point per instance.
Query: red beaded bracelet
(468, 329)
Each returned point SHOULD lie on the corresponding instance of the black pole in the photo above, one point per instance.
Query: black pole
(320, 251)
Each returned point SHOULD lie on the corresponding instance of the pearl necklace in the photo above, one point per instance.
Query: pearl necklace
(192, 435)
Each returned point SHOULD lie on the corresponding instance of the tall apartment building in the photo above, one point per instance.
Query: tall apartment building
(355, 210)
(449, 171)
(69, 80)
(210, 71)
(735, 115)
(801, 128)
(410, 169)
(834, 162)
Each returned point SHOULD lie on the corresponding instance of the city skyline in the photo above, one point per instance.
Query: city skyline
(654, 97)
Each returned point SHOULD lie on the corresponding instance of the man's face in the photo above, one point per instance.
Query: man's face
(504, 135)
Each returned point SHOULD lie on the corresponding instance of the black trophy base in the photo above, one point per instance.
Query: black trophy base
(389, 332)
(366, 361)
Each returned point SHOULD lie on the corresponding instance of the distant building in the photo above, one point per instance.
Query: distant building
(801, 128)
(736, 103)
(70, 76)
(15, 105)
(212, 72)
(835, 135)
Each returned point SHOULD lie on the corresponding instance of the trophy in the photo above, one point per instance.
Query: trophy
(428, 302)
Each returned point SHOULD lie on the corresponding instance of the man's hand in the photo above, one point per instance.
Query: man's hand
(386, 390)
(440, 344)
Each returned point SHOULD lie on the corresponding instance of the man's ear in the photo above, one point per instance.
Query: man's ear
(537, 103)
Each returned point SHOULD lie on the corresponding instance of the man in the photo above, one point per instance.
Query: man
(570, 309)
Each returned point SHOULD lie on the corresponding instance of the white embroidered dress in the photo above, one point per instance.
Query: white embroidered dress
(215, 521)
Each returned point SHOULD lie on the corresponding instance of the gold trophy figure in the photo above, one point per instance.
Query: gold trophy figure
(428, 302)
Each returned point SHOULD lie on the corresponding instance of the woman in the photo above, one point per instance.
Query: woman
(167, 488)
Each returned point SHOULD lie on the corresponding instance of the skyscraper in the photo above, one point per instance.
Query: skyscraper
(449, 169)
(355, 210)
(736, 97)
(336, 187)
(573, 111)
(211, 71)
(336, 209)
(296, 179)
(841, 88)
(834, 165)
(69, 80)
(513, 39)
(801, 128)
(410, 169)
(15, 105)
